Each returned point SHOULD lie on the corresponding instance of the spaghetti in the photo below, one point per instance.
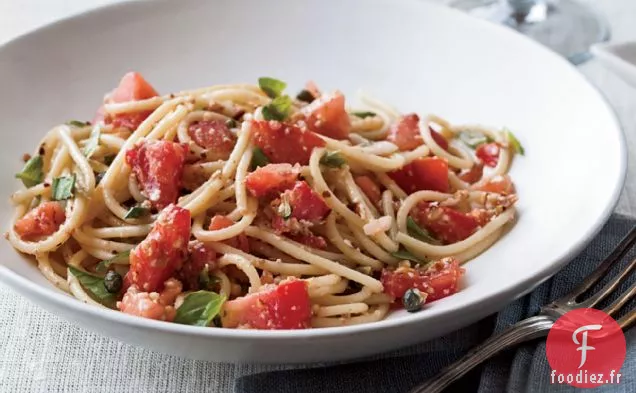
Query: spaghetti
(238, 206)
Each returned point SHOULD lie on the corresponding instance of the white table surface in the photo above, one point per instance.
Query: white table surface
(42, 353)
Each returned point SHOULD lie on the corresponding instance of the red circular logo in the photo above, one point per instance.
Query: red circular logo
(586, 349)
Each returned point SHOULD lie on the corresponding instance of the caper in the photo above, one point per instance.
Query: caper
(231, 123)
(305, 96)
(113, 281)
(413, 300)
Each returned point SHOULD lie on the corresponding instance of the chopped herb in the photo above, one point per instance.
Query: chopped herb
(284, 209)
(77, 123)
(93, 142)
(113, 281)
(404, 254)
(272, 87)
(94, 285)
(514, 142)
(279, 109)
(109, 159)
(419, 233)
(231, 123)
(199, 308)
(31, 174)
(62, 187)
(206, 281)
(305, 96)
(473, 139)
(364, 114)
(333, 160)
(120, 259)
(413, 300)
(136, 212)
(258, 158)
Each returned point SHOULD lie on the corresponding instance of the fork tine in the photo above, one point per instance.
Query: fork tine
(609, 288)
(621, 300)
(617, 254)
(627, 320)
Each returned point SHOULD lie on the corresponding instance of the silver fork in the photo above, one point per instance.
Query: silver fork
(539, 325)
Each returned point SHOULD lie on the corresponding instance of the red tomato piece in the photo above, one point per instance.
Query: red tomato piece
(44, 220)
(162, 252)
(283, 143)
(310, 240)
(132, 87)
(327, 116)
(284, 306)
(488, 153)
(201, 256)
(214, 135)
(428, 173)
(369, 187)
(445, 223)
(500, 184)
(158, 166)
(473, 174)
(437, 281)
(439, 139)
(405, 134)
(219, 222)
(306, 204)
(270, 179)
(159, 307)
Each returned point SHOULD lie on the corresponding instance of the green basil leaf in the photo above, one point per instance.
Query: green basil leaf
(136, 212)
(404, 254)
(32, 174)
(364, 114)
(258, 158)
(77, 123)
(514, 142)
(93, 142)
(207, 281)
(279, 109)
(120, 259)
(305, 96)
(473, 139)
(199, 308)
(94, 285)
(272, 87)
(333, 160)
(420, 233)
(109, 159)
(62, 188)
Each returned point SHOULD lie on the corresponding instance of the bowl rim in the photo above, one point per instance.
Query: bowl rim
(507, 293)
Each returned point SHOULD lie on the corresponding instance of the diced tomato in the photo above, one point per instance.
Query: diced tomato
(439, 139)
(327, 116)
(428, 173)
(160, 307)
(438, 281)
(162, 252)
(488, 153)
(219, 222)
(500, 184)
(405, 134)
(370, 188)
(201, 256)
(310, 240)
(285, 143)
(445, 223)
(285, 306)
(270, 179)
(306, 204)
(158, 166)
(132, 87)
(214, 135)
(44, 220)
(473, 174)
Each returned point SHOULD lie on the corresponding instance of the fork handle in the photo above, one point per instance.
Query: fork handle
(522, 331)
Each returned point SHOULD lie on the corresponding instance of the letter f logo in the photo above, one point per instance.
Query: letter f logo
(584, 347)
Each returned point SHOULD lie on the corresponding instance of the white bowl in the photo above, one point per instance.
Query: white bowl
(415, 55)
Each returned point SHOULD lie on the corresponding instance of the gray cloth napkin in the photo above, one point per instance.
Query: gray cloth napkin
(524, 369)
